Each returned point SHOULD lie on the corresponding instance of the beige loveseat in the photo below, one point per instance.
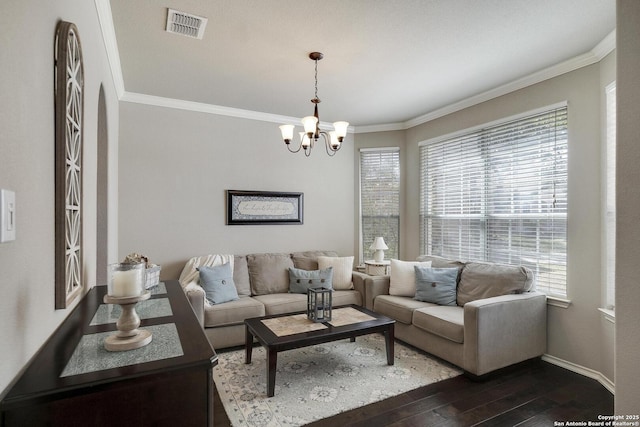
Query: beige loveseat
(262, 284)
(498, 318)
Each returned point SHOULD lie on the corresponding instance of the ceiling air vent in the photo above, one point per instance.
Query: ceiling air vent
(186, 24)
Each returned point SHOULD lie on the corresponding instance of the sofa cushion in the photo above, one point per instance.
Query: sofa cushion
(301, 280)
(436, 285)
(398, 308)
(346, 297)
(342, 270)
(233, 312)
(484, 280)
(289, 303)
(444, 321)
(269, 273)
(241, 275)
(282, 303)
(308, 260)
(403, 277)
(217, 283)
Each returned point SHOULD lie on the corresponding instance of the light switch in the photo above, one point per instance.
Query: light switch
(7, 216)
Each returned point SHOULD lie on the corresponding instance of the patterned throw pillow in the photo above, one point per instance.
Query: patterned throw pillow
(301, 280)
(218, 284)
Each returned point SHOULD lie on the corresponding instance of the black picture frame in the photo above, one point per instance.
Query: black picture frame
(264, 207)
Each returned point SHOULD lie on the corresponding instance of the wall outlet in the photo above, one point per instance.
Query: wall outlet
(7, 216)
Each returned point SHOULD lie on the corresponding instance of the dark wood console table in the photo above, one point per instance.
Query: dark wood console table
(74, 381)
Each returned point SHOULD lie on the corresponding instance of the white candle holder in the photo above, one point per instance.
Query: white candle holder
(126, 288)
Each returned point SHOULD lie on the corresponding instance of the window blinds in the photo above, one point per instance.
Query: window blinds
(499, 194)
(380, 199)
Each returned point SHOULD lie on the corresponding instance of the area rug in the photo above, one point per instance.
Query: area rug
(320, 381)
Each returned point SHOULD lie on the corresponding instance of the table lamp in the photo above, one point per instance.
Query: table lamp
(378, 246)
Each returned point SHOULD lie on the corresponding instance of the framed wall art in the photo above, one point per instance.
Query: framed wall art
(263, 207)
(69, 109)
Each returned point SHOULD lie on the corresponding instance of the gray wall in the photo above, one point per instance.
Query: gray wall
(27, 30)
(628, 206)
(175, 166)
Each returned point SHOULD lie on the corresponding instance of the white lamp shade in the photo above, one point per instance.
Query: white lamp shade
(287, 132)
(378, 244)
(341, 128)
(309, 124)
(304, 140)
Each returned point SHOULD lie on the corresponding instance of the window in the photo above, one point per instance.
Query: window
(610, 208)
(499, 194)
(380, 199)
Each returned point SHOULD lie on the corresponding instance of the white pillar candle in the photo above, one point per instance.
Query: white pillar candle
(126, 284)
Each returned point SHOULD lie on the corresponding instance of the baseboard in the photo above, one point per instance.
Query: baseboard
(589, 373)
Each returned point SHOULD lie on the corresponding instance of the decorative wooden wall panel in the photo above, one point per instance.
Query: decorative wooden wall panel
(69, 96)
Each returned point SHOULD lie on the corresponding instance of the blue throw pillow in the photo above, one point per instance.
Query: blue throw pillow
(436, 285)
(301, 280)
(218, 284)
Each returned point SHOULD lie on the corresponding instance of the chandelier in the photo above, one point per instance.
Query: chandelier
(332, 140)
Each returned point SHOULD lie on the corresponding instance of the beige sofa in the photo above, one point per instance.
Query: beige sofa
(262, 283)
(498, 320)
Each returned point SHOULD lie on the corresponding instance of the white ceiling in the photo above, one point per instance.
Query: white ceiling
(385, 61)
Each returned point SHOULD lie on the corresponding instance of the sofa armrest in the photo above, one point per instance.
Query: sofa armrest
(195, 294)
(373, 286)
(358, 283)
(504, 330)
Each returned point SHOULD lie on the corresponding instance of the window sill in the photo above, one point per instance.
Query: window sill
(558, 302)
(610, 315)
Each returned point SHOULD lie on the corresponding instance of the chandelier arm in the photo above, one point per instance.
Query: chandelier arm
(327, 144)
(294, 151)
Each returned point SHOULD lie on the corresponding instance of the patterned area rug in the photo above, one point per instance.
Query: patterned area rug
(320, 381)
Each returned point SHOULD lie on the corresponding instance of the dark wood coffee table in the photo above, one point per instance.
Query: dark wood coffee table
(288, 331)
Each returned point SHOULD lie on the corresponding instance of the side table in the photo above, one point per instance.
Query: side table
(377, 268)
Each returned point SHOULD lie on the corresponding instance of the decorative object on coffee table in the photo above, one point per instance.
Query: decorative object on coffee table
(319, 301)
(126, 287)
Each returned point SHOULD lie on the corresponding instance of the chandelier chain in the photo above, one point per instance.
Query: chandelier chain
(316, 76)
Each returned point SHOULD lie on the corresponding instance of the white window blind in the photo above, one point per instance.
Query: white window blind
(610, 209)
(499, 194)
(380, 199)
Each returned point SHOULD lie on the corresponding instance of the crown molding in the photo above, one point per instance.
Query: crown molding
(103, 8)
(219, 110)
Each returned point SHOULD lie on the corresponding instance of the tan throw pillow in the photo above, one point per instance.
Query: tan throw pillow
(403, 277)
(484, 280)
(342, 270)
(269, 273)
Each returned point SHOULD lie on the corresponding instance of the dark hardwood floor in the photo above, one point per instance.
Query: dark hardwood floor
(530, 394)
